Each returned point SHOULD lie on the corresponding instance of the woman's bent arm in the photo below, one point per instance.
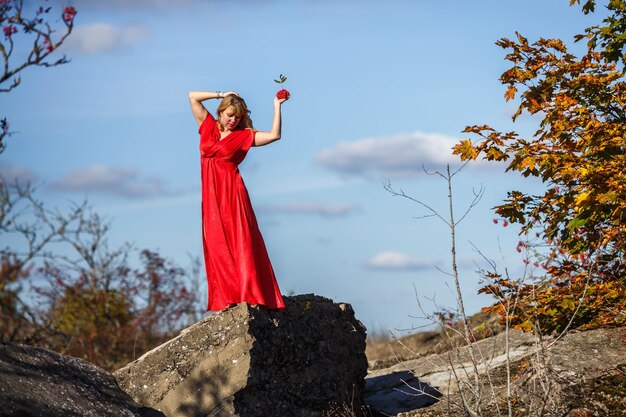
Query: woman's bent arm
(263, 138)
(197, 97)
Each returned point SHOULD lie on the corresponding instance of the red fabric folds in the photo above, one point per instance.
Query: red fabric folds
(238, 267)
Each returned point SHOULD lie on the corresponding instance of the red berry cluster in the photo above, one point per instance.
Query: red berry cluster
(283, 94)
(47, 44)
(9, 30)
(68, 14)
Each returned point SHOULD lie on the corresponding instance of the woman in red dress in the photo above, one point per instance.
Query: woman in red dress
(238, 267)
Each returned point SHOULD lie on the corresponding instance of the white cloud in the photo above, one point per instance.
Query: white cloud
(115, 181)
(101, 37)
(397, 261)
(14, 173)
(398, 156)
(312, 208)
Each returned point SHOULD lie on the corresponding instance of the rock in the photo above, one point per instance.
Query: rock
(433, 373)
(249, 361)
(397, 392)
(39, 382)
(574, 365)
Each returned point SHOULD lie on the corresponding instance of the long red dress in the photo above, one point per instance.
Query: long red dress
(238, 267)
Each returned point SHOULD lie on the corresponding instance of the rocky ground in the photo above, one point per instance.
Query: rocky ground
(248, 361)
(580, 375)
(309, 360)
(386, 349)
(37, 382)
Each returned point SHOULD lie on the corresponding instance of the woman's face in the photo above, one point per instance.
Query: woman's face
(229, 118)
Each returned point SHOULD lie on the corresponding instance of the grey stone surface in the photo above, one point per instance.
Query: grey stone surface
(249, 361)
(405, 388)
(39, 382)
(399, 391)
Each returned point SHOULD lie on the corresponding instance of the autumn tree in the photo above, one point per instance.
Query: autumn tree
(579, 152)
(31, 229)
(64, 287)
(39, 32)
(103, 309)
(110, 313)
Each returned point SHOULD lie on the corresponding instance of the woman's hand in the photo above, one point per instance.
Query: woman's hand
(279, 101)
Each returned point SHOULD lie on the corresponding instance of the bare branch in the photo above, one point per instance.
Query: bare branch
(401, 193)
(450, 274)
(477, 197)
(44, 45)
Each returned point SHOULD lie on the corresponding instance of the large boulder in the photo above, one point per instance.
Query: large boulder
(37, 382)
(249, 361)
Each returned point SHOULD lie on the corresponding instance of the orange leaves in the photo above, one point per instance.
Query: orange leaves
(510, 93)
(525, 326)
(478, 129)
(495, 154)
(588, 304)
(527, 163)
(564, 102)
(521, 39)
(579, 151)
(555, 44)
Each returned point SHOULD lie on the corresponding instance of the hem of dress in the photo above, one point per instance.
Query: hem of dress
(272, 307)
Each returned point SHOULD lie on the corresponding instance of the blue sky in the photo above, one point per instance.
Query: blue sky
(378, 89)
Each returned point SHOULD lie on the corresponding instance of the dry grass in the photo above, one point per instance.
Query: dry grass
(383, 350)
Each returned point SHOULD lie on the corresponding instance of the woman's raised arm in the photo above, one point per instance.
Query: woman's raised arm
(263, 138)
(197, 97)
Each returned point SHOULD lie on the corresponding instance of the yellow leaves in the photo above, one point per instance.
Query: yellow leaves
(552, 306)
(496, 154)
(564, 101)
(527, 162)
(465, 149)
(607, 198)
(582, 197)
(555, 44)
(568, 304)
(592, 124)
(578, 152)
(524, 163)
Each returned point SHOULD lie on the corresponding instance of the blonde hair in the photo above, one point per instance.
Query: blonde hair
(241, 110)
